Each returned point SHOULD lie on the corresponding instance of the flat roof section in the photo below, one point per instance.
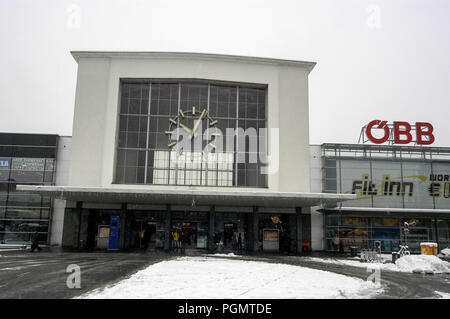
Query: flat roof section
(167, 195)
(190, 55)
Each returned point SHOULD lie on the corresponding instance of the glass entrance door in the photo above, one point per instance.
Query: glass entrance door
(192, 227)
(230, 233)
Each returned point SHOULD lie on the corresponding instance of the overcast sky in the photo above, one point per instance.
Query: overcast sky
(380, 59)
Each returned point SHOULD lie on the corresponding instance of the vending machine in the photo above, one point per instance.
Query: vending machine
(114, 230)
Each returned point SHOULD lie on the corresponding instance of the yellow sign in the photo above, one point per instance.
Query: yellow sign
(103, 232)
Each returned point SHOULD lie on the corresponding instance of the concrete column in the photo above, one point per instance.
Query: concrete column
(168, 222)
(255, 229)
(70, 228)
(78, 212)
(212, 215)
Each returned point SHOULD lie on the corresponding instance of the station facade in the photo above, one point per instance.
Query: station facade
(216, 148)
(213, 147)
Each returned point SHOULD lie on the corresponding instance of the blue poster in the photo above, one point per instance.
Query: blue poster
(114, 230)
(5, 162)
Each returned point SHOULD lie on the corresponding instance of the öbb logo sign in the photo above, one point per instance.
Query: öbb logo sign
(401, 132)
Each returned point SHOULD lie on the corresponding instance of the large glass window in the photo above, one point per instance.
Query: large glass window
(149, 113)
(25, 159)
(342, 232)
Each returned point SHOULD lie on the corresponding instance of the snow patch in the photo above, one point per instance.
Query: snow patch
(354, 262)
(208, 277)
(446, 252)
(423, 264)
(230, 255)
(443, 295)
(412, 263)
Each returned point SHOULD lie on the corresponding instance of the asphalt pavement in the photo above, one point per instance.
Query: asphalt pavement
(44, 274)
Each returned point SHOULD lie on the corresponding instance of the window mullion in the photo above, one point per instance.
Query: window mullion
(148, 132)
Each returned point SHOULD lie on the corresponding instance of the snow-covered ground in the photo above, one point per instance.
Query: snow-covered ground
(412, 263)
(443, 295)
(209, 277)
(229, 255)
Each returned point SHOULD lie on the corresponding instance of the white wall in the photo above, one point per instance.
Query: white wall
(317, 227)
(97, 102)
(89, 122)
(62, 178)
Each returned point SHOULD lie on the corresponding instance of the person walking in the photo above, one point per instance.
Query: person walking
(35, 242)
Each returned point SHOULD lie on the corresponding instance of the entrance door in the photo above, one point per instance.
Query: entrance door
(189, 234)
(192, 227)
(229, 234)
(149, 235)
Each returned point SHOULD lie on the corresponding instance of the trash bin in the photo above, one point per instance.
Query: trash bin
(435, 250)
(395, 256)
(353, 251)
(428, 248)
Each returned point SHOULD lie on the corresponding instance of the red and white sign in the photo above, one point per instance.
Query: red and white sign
(399, 132)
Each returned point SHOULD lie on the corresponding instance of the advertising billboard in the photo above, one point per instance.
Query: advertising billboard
(28, 164)
(394, 184)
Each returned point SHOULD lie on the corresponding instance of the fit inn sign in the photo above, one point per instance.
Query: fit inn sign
(399, 132)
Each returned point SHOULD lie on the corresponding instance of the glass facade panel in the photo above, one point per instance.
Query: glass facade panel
(392, 177)
(150, 112)
(362, 232)
(25, 159)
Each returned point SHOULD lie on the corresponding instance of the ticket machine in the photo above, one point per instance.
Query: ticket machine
(114, 230)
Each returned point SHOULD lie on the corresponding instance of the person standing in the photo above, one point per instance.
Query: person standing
(175, 240)
(35, 242)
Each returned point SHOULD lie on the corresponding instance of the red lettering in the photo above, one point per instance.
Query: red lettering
(398, 131)
(401, 132)
(421, 133)
(381, 124)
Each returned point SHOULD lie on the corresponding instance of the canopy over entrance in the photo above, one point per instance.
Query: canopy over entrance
(177, 196)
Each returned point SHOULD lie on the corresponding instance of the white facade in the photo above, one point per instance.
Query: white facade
(97, 101)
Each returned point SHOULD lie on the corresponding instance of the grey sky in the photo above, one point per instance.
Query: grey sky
(380, 59)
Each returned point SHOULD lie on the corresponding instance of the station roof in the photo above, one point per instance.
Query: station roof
(191, 55)
(176, 196)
